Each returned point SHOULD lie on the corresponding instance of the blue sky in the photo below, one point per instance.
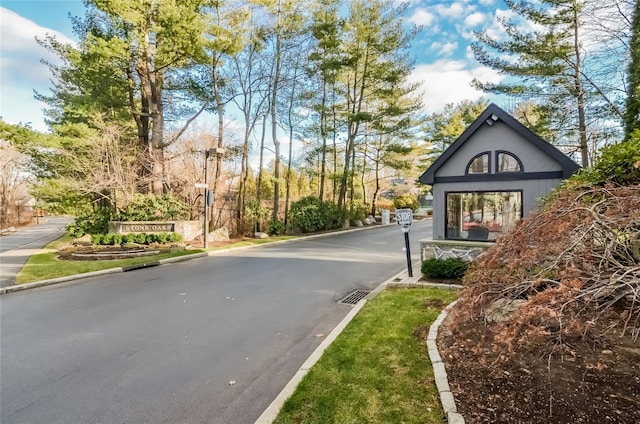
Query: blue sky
(444, 62)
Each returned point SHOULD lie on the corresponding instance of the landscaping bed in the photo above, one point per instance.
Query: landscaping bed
(579, 383)
(547, 328)
(104, 253)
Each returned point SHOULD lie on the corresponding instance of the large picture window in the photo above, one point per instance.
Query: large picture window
(481, 216)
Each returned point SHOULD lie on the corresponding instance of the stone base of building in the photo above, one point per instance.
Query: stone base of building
(443, 249)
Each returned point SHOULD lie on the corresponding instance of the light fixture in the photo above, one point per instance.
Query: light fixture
(490, 120)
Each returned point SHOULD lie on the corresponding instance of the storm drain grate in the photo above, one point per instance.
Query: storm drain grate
(354, 297)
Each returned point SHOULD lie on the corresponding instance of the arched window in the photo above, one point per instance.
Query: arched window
(479, 164)
(508, 162)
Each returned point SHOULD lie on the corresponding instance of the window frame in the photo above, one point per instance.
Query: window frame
(488, 154)
(506, 152)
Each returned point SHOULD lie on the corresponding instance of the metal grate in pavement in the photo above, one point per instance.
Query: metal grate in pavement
(354, 297)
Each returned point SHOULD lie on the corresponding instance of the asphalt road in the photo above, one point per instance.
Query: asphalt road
(15, 248)
(210, 340)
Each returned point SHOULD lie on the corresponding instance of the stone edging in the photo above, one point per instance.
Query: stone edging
(439, 371)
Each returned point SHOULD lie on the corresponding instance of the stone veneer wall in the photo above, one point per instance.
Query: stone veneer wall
(188, 229)
(443, 249)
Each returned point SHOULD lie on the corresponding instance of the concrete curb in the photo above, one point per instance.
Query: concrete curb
(42, 283)
(270, 414)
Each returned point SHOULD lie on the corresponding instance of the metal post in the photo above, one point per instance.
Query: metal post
(406, 245)
(206, 192)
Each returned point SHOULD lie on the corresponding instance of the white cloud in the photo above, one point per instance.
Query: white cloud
(21, 69)
(448, 81)
(444, 49)
(422, 17)
(475, 19)
(454, 10)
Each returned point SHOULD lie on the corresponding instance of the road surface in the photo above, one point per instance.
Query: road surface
(15, 248)
(210, 340)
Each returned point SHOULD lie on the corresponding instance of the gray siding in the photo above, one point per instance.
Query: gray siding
(499, 136)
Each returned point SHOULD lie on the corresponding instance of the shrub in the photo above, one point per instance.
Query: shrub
(618, 163)
(94, 221)
(256, 212)
(308, 214)
(112, 239)
(383, 204)
(311, 214)
(357, 211)
(155, 208)
(406, 201)
(174, 237)
(333, 216)
(450, 268)
(275, 227)
(97, 239)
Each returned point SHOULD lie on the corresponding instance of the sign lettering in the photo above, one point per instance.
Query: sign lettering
(147, 228)
(404, 217)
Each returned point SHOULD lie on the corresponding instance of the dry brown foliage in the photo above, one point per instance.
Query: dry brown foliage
(576, 265)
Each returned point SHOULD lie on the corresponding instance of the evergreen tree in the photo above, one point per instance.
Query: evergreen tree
(548, 65)
(441, 129)
(325, 62)
(128, 51)
(374, 73)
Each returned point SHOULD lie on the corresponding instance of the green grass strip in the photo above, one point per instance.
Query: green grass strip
(378, 369)
(252, 242)
(45, 265)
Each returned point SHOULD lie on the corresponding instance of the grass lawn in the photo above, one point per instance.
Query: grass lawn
(44, 266)
(251, 242)
(378, 369)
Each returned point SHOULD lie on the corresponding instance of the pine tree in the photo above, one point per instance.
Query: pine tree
(123, 65)
(547, 63)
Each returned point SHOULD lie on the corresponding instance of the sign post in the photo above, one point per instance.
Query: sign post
(404, 218)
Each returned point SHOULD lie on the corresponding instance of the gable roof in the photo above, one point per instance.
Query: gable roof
(494, 113)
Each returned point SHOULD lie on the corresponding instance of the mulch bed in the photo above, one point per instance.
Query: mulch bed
(578, 383)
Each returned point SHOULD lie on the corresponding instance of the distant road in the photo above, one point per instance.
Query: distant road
(15, 248)
(211, 340)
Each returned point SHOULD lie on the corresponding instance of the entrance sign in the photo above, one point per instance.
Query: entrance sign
(404, 217)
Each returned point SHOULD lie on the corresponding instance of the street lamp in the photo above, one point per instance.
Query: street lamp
(208, 194)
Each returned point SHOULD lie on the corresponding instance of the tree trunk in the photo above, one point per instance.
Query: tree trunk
(582, 122)
(323, 134)
(274, 126)
(259, 184)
